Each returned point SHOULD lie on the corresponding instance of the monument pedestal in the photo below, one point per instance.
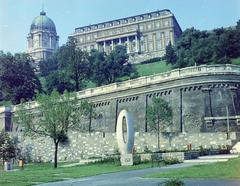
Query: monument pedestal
(126, 159)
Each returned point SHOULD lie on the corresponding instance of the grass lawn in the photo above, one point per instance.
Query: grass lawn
(236, 61)
(44, 172)
(221, 170)
(153, 68)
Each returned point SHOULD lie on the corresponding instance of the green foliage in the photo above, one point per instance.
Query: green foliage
(174, 182)
(153, 60)
(196, 47)
(108, 68)
(17, 78)
(236, 61)
(159, 116)
(57, 80)
(55, 115)
(70, 68)
(159, 113)
(8, 148)
(48, 66)
(170, 55)
(74, 63)
(170, 161)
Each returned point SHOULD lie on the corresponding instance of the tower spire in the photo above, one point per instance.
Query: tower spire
(42, 12)
(42, 6)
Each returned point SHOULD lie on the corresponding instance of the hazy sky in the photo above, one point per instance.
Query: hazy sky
(16, 15)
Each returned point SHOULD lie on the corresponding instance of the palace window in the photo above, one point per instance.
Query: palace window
(149, 26)
(166, 23)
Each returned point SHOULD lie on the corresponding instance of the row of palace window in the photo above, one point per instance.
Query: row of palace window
(118, 22)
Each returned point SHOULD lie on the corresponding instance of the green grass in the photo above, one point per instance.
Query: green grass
(44, 172)
(153, 68)
(221, 170)
(236, 61)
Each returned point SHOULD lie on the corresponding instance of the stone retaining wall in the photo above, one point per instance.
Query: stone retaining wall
(85, 145)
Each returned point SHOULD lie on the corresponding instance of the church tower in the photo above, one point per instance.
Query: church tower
(43, 38)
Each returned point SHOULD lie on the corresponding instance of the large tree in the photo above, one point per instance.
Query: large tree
(55, 115)
(170, 55)
(17, 78)
(75, 63)
(159, 116)
(117, 64)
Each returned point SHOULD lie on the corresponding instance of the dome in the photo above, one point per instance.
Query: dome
(42, 22)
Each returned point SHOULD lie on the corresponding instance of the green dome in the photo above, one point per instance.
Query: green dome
(43, 22)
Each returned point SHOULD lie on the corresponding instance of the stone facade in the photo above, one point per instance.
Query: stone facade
(43, 38)
(145, 36)
(199, 96)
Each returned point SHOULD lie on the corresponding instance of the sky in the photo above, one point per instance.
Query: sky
(16, 16)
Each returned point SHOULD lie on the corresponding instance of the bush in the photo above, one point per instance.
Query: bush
(170, 161)
(174, 182)
(153, 60)
(136, 159)
(112, 159)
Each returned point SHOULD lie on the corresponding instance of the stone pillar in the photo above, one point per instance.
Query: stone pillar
(154, 42)
(112, 44)
(171, 37)
(163, 40)
(119, 41)
(136, 44)
(50, 42)
(104, 46)
(146, 43)
(128, 45)
(39, 41)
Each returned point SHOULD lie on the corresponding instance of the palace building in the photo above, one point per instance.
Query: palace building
(43, 38)
(145, 36)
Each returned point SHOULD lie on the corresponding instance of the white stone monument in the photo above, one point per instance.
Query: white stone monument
(125, 145)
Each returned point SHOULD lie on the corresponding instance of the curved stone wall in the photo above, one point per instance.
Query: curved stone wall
(198, 96)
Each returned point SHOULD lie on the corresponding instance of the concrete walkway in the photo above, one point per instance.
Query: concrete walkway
(133, 178)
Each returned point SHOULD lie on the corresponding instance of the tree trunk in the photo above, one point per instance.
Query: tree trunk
(55, 154)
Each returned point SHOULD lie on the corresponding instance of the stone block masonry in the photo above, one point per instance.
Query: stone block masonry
(86, 145)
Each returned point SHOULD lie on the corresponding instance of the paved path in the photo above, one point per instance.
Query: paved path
(133, 178)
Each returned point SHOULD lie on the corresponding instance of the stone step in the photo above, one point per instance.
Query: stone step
(205, 160)
(220, 156)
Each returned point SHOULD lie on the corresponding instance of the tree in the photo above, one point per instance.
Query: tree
(170, 55)
(48, 66)
(8, 148)
(75, 63)
(58, 80)
(117, 64)
(99, 67)
(55, 115)
(17, 78)
(159, 116)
